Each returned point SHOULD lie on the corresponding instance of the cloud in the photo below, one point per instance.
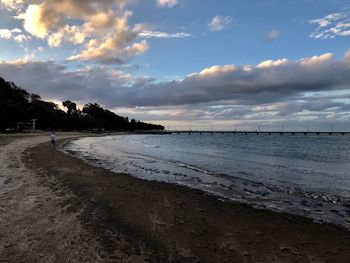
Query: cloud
(101, 28)
(21, 38)
(52, 15)
(293, 115)
(317, 60)
(5, 33)
(167, 3)
(72, 34)
(14, 34)
(35, 22)
(219, 22)
(145, 31)
(347, 56)
(272, 35)
(159, 34)
(137, 48)
(273, 91)
(273, 63)
(270, 81)
(214, 70)
(331, 26)
(12, 4)
(114, 47)
(329, 19)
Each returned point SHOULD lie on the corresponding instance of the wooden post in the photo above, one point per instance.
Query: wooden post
(34, 124)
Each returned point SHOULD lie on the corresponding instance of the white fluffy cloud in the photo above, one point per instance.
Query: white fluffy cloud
(137, 48)
(72, 34)
(116, 46)
(34, 22)
(219, 22)
(21, 38)
(12, 4)
(101, 27)
(15, 34)
(5, 33)
(167, 3)
(331, 26)
(273, 63)
(214, 70)
(317, 60)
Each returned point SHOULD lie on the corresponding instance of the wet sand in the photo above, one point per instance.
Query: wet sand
(56, 208)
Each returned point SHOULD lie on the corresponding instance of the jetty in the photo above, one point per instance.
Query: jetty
(328, 133)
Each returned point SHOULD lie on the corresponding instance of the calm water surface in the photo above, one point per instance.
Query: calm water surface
(304, 175)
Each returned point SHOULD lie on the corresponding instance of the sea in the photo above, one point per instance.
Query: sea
(297, 174)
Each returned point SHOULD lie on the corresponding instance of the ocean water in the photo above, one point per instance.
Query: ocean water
(303, 175)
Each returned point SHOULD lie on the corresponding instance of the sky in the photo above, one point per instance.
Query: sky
(186, 64)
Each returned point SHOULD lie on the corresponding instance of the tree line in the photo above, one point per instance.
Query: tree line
(17, 105)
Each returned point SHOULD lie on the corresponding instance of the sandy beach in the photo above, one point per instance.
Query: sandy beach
(56, 208)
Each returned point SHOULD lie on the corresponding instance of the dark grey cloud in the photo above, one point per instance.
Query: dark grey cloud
(242, 85)
(323, 107)
(48, 79)
(268, 82)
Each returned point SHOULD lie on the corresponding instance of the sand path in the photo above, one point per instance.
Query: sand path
(34, 225)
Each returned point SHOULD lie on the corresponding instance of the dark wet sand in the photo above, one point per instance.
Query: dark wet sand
(131, 220)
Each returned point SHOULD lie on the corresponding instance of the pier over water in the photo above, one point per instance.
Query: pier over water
(329, 133)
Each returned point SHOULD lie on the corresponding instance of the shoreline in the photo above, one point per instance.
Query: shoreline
(125, 219)
(321, 207)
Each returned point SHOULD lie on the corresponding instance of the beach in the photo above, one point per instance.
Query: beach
(57, 208)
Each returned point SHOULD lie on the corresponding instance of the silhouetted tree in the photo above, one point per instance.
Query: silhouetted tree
(71, 107)
(16, 105)
(48, 115)
(105, 118)
(34, 97)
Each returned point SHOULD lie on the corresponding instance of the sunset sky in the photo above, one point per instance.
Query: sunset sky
(186, 63)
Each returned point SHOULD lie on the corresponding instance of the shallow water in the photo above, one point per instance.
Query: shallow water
(304, 175)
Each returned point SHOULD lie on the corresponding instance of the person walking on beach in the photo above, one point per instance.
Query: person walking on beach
(53, 138)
